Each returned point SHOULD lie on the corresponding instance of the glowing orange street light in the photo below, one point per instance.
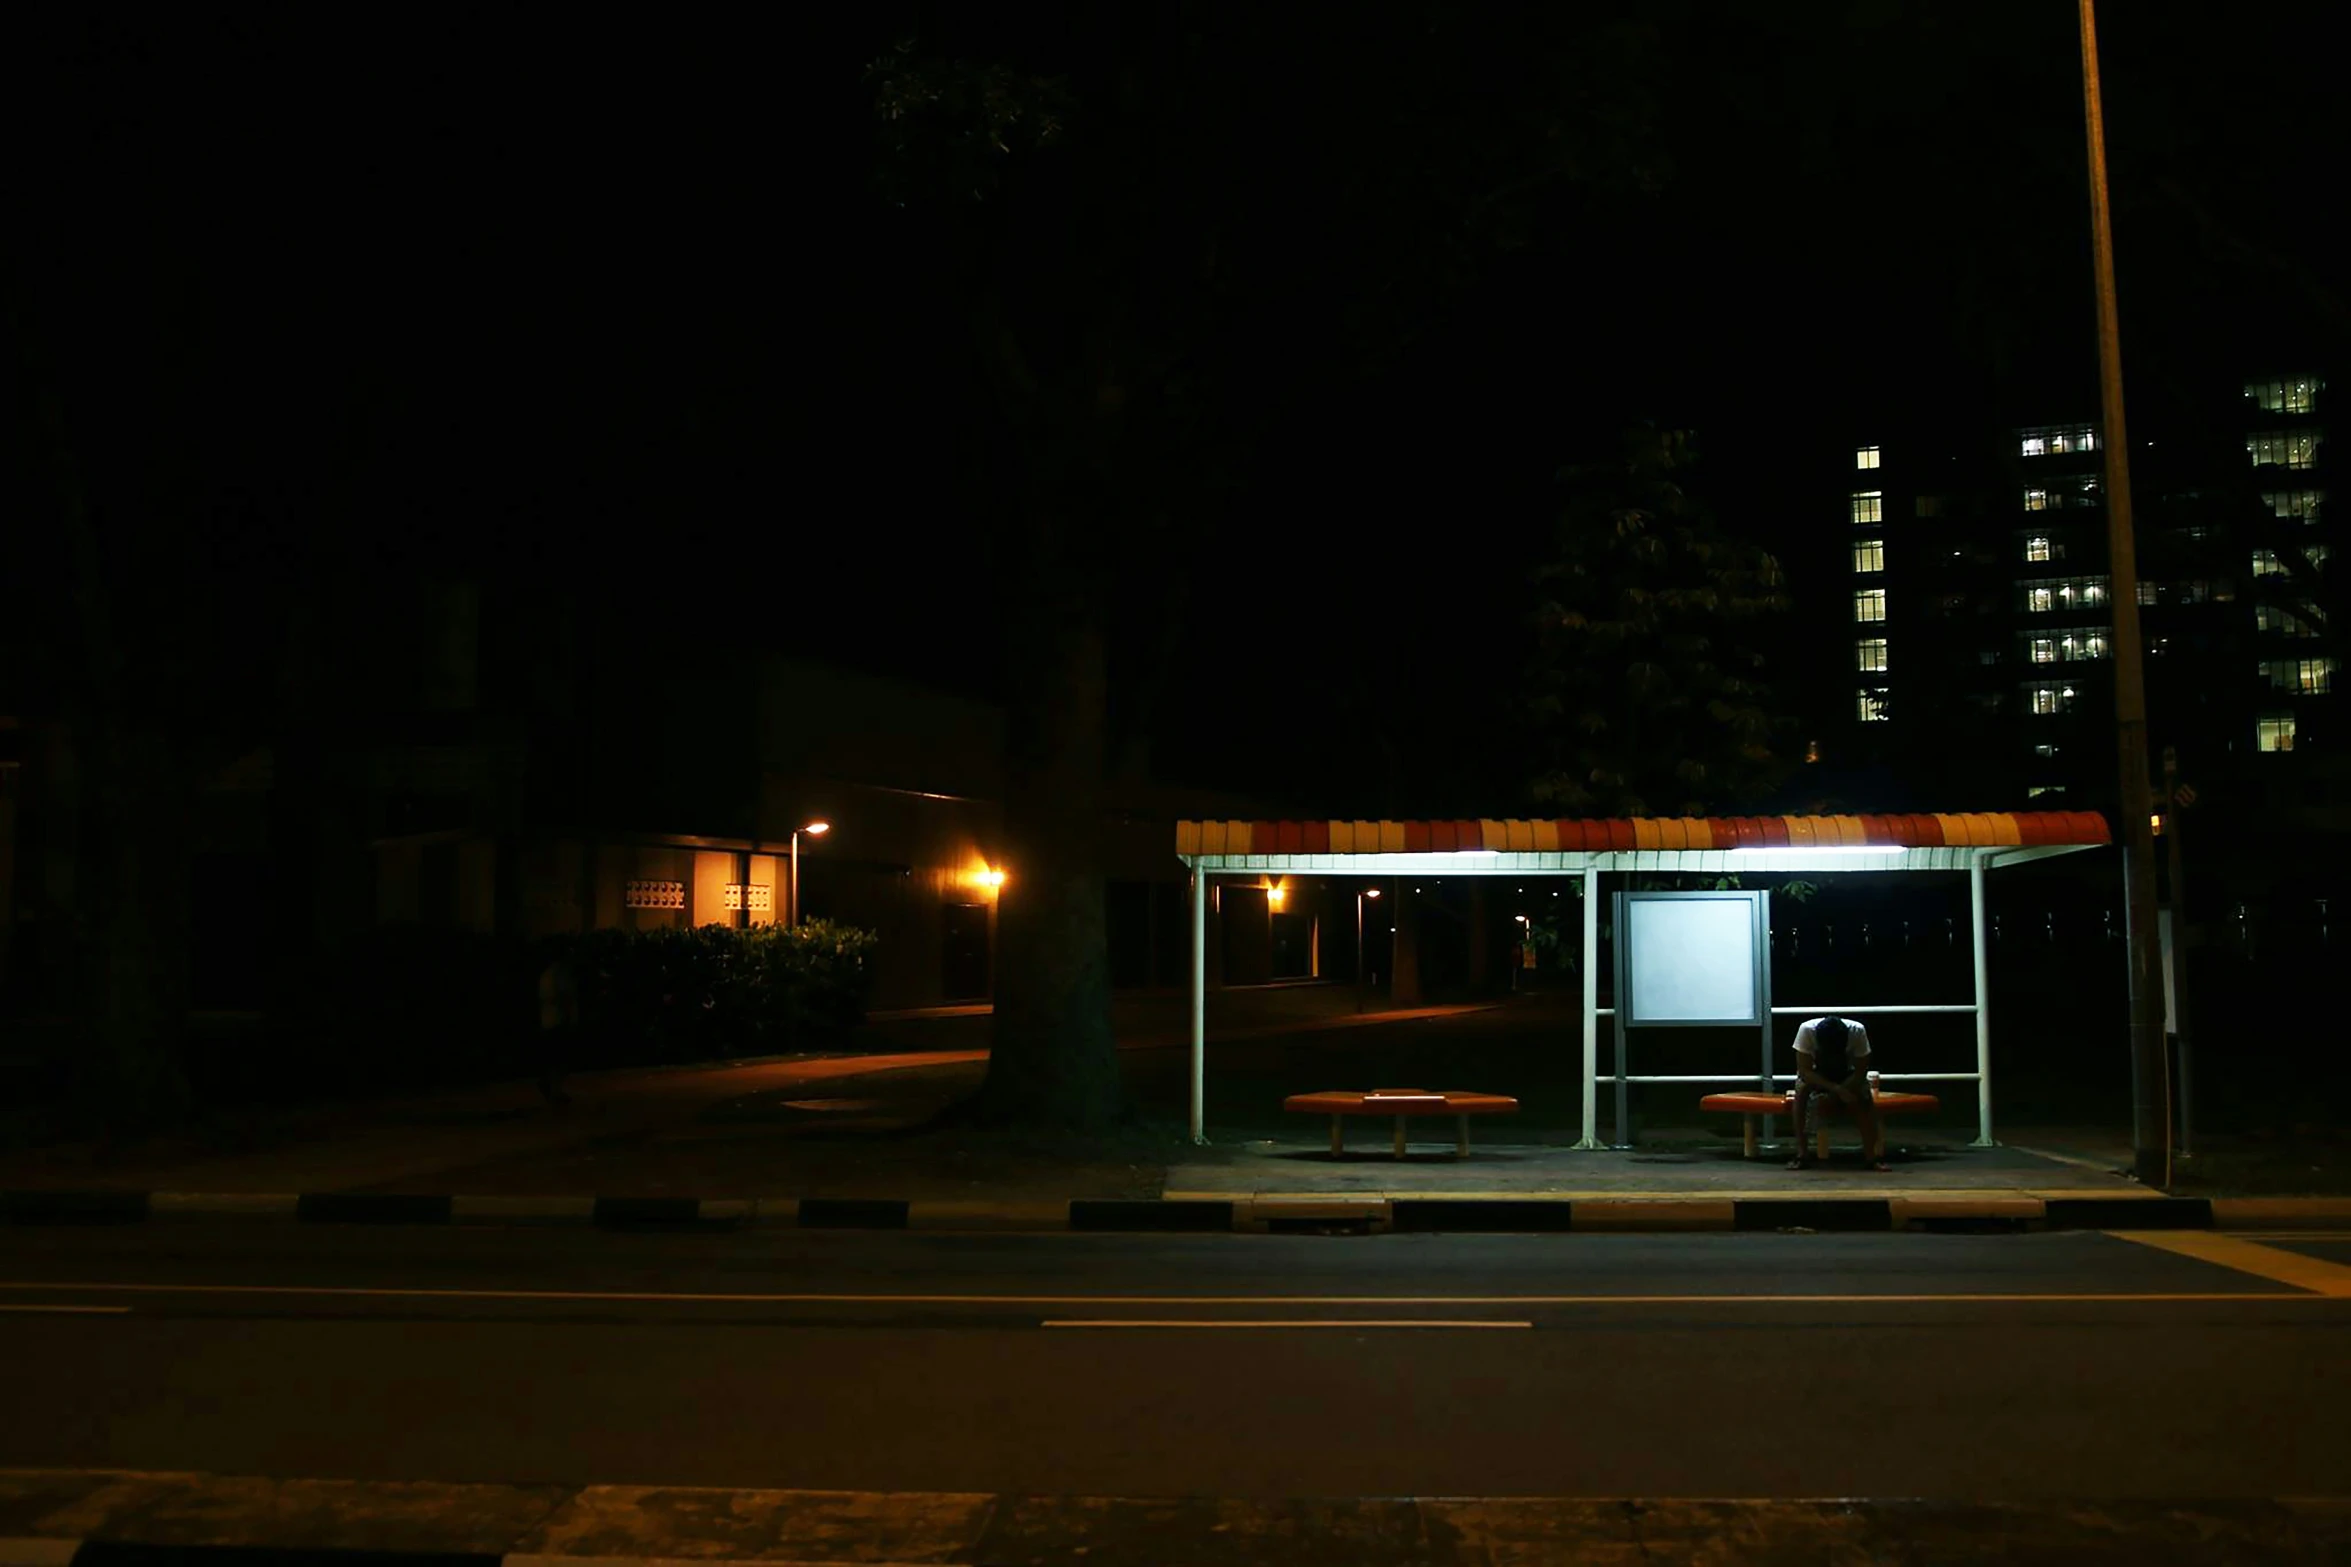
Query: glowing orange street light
(1360, 895)
(815, 829)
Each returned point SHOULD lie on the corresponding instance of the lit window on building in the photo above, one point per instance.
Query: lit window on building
(2283, 448)
(2037, 547)
(2036, 500)
(1869, 506)
(1928, 506)
(2047, 701)
(2057, 440)
(2302, 676)
(2044, 749)
(2147, 593)
(2088, 643)
(1869, 707)
(2193, 592)
(2035, 791)
(2316, 554)
(2288, 395)
(2049, 594)
(2284, 622)
(1869, 604)
(2299, 505)
(1865, 457)
(2044, 650)
(2274, 731)
(1869, 555)
(2267, 564)
(2081, 490)
(1869, 655)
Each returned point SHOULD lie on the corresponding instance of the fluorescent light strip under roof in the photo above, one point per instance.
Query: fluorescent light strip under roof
(1833, 848)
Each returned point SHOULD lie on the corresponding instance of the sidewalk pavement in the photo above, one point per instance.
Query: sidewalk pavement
(839, 1140)
(742, 1125)
(50, 1518)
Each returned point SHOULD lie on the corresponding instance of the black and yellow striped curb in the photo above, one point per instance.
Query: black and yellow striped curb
(1989, 1212)
(51, 1518)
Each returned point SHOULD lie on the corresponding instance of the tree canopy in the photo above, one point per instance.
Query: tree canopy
(1160, 229)
(1647, 683)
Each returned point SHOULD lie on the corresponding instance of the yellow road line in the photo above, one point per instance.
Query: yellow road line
(679, 1297)
(2244, 1256)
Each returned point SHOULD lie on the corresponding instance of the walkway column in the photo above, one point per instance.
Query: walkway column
(1199, 1005)
(1591, 1137)
(1983, 1005)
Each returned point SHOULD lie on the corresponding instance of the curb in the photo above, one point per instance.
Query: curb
(1430, 1213)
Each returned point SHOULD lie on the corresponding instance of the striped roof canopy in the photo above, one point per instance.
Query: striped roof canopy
(1650, 842)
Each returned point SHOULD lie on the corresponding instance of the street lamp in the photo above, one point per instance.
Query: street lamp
(815, 829)
(1361, 893)
(2151, 1141)
(1526, 939)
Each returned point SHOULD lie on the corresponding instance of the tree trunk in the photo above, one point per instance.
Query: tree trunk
(1053, 1062)
(135, 964)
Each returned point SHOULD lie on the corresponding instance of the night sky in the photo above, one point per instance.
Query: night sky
(621, 301)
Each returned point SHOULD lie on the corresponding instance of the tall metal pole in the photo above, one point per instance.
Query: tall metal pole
(1591, 1137)
(1983, 1003)
(2150, 1095)
(1199, 1005)
(2179, 947)
(795, 876)
(1359, 965)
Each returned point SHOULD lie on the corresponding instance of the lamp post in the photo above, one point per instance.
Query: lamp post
(816, 829)
(1526, 938)
(1361, 893)
(2151, 1140)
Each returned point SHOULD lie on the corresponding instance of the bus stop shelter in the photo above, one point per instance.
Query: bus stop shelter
(1973, 843)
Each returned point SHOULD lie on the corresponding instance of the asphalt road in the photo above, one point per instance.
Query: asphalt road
(2037, 1366)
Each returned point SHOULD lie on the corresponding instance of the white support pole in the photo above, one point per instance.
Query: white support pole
(1199, 1005)
(1591, 1137)
(1983, 1005)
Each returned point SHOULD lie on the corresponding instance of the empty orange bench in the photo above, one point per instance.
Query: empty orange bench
(1754, 1103)
(1403, 1104)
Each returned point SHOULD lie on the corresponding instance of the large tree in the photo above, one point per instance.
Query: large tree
(1162, 226)
(1647, 683)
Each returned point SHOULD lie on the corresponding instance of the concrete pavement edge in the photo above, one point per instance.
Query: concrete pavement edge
(1245, 1212)
(132, 1519)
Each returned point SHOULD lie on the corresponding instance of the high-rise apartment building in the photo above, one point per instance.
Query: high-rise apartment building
(1978, 651)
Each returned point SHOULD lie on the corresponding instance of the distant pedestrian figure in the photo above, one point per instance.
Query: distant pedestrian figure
(559, 1022)
(1832, 1065)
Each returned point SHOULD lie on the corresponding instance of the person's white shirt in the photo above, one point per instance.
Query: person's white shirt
(1856, 1042)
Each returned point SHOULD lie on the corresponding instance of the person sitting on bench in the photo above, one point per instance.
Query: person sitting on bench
(1832, 1064)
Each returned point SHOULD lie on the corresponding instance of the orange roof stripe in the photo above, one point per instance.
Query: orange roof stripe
(1973, 829)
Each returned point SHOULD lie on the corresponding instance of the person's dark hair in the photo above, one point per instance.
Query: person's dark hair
(1828, 1046)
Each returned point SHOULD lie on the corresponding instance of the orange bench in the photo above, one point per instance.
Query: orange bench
(1402, 1103)
(1754, 1103)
